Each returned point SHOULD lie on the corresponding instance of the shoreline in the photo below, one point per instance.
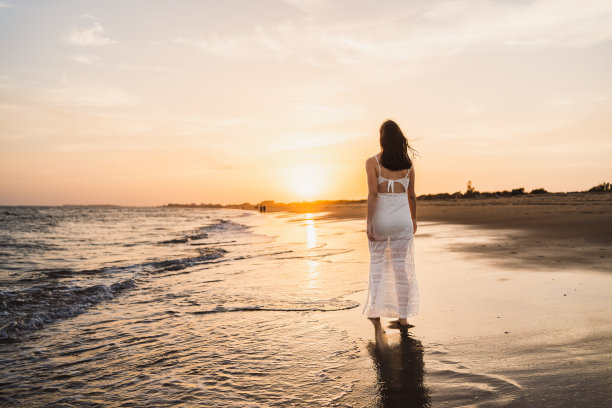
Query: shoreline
(538, 231)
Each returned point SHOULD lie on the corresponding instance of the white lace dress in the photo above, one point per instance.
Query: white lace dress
(393, 290)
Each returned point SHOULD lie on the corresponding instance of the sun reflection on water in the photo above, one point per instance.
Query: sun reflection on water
(311, 232)
(311, 242)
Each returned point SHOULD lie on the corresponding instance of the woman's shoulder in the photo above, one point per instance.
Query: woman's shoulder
(371, 159)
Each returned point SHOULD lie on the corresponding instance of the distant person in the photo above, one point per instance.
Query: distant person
(391, 224)
(264, 208)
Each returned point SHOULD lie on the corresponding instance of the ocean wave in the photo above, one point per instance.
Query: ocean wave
(225, 225)
(330, 305)
(220, 225)
(31, 246)
(205, 255)
(30, 309)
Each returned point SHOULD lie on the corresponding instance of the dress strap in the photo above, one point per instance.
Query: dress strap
(379, 172)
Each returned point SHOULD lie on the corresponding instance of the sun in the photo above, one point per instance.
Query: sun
(306, 181)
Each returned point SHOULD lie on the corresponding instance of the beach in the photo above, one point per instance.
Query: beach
(237, 308)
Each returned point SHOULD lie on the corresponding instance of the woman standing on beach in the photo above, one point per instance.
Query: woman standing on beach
(391, 223)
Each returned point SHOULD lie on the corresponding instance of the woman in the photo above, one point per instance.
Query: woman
(391, 223)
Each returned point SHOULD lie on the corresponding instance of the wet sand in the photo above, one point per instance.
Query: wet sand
(514, 305)
(489, 335)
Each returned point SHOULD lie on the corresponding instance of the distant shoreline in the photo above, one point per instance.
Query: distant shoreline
(603, 188)
(458, 196)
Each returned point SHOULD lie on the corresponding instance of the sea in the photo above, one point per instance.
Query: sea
(163, 306)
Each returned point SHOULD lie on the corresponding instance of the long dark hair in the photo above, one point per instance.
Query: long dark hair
(394, 147)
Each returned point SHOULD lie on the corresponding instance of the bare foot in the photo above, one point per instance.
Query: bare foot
(400, 323)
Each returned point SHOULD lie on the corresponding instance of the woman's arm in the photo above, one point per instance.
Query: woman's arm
(412, 199)
(372, 195)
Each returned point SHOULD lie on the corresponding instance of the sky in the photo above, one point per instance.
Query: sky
(153, 102)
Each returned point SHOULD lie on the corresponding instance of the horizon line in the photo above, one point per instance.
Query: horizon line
(604, 187)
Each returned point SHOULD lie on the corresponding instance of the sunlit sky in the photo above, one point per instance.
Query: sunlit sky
(153, 102)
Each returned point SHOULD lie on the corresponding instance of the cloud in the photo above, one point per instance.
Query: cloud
(6, 5)
(308, 6)
(104, 146)
(313, 112)
(440, 30)
(143, 68)
(85, 95)
(307, 140)
(472, 109)
(5, 81)
(92, 36)
(85, 58)
(228, 47)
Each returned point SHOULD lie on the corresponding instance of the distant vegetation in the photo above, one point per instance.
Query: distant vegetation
(471, 192)
(602, 188)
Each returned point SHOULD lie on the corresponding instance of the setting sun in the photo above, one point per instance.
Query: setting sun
(307, 182)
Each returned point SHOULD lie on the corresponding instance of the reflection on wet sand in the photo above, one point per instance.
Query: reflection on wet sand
(399, 369)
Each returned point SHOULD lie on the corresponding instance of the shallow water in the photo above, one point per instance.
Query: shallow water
(110, 305)
(213, 307)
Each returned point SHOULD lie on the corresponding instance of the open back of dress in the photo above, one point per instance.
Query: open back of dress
(400, 184)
